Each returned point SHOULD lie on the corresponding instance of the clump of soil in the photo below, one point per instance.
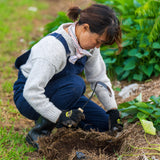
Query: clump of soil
(63, 144)
(131, 143)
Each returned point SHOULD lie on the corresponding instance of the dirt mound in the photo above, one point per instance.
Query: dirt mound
(63, 144)
(130, 144)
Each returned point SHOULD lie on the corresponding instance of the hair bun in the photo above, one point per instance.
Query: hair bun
(73, 13)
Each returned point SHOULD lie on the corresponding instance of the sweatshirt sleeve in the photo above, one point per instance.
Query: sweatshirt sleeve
(95, 70)
(44, 62)
(33, 92)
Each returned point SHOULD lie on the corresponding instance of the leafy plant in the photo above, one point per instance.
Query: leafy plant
(61, 18)
(137, 109)
(139, 59)
(151, 16)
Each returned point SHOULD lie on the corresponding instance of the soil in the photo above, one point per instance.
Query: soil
(64, 143)
(147, 89)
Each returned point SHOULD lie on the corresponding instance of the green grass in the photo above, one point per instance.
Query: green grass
(7, 86)
(17, 11)
(12, 144)
(16, 23)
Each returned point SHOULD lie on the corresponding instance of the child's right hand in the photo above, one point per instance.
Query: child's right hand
(70, 118)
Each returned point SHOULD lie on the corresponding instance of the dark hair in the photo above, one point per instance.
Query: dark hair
(100, 18)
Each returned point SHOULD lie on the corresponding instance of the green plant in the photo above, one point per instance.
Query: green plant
(142, 110)
(150, 14)
(139, 59)
(61, 18)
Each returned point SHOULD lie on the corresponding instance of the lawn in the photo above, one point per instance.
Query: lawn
(17, 30)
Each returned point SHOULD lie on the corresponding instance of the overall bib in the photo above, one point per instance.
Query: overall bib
(65, 90)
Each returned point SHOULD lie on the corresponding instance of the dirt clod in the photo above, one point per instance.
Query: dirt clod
(61, 144)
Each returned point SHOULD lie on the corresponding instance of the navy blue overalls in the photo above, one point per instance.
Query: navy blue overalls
(65, 90)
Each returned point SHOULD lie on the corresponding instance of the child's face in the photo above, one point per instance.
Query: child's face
(89, 40)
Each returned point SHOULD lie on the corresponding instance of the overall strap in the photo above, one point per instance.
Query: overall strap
(62, 40)
(24, 57)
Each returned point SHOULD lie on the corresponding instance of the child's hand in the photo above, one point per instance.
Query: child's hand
(71, 118)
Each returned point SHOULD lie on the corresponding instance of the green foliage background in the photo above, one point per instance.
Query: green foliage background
(140, 23)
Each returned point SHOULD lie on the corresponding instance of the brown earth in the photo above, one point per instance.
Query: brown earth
(147, 89)
(63, 143)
